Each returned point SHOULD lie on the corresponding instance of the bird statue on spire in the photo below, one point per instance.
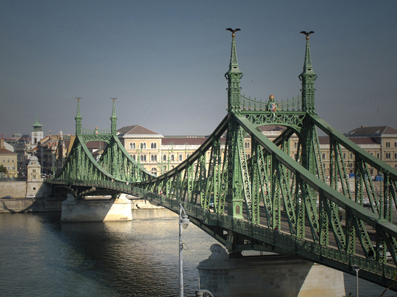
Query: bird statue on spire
(233, 31)
(307, 33)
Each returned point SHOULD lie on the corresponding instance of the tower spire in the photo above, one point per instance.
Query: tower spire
(78, 117)
(37, 126)
(233, 76)
(307, 77)
(113, 119)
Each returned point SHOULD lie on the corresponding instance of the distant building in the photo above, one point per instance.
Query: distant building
(158, 153)
(8, 159)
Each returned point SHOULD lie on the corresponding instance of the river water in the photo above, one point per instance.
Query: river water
(40, 256)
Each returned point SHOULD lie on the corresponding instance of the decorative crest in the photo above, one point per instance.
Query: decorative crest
(233, 31)
(307, 33)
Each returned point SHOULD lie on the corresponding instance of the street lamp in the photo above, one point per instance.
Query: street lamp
(183, 223)
(356, 268)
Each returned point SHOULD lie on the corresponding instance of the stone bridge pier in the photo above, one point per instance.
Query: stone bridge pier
(270, 275)
(96, 210)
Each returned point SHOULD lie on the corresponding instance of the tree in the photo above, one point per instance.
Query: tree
(3, 169)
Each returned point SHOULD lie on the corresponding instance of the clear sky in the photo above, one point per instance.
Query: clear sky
(165, 61)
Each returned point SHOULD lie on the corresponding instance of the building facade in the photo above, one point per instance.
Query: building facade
(159, 154)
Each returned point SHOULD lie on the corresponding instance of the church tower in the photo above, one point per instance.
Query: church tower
(37, 133)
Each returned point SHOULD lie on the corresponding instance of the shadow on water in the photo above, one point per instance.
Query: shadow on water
(137, 258)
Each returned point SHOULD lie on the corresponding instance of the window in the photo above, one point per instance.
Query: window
(164, 157)
(377, 155)
(12, 160)
(295, 144)
(395, 155)
(13, 167)
(180, 157)
(8, 167)
(172, 158)
(323, 156)
(351, 156)
(395, 144)
(34, 177)
(344, 156)
(143, 145)
(248, 156)
(34, 170)
(133, 157)
(387, 144)
(165, 168)
(153, 158)
(371, 171)
(153, 145)
(8, 160)
(132, 145)
(154, 170)
(143, 158)
(247, 145)
(388, 155)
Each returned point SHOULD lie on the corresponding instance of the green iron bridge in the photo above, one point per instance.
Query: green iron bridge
(269, 200)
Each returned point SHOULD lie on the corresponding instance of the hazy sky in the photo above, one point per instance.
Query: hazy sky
(165, 61)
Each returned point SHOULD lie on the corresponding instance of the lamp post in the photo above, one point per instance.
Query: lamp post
(356, 268)
(183, 223)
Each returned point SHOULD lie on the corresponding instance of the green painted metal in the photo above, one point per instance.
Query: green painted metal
(267, 198)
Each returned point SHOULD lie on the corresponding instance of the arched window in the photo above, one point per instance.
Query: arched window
(143, 145)
(153, 145)
(130, 145)
(143, 158)
(323, 156)
(164, 157)
(165, 168)
(133, 157)
(180, 157)
(153, 158)
(247, 145)
(344, 156)
(154, 171)
(172, 158)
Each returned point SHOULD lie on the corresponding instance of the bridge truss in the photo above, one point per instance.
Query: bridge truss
(265, 199)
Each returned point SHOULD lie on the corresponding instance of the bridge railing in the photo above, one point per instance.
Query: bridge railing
(294, 104)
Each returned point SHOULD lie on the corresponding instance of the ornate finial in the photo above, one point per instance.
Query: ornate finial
(307, 34)
(233, 31)
(78, 99)
(307, 77)
(233, 76)
(113, 99)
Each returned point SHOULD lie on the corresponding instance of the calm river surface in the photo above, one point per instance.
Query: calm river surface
(40, 256)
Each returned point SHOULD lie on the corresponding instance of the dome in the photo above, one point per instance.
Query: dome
(33, 160)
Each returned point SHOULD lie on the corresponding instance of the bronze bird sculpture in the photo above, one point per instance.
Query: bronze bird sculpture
(307, 33)
(233, 31)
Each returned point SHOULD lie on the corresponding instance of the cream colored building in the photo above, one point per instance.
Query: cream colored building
(9, 160)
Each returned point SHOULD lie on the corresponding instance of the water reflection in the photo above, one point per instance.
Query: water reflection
(137, 258)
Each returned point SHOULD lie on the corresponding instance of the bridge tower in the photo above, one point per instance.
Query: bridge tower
(113, 119)
(78, 117)
(233, 76)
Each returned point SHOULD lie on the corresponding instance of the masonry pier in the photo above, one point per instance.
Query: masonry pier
(100, 210)
(272, 275)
